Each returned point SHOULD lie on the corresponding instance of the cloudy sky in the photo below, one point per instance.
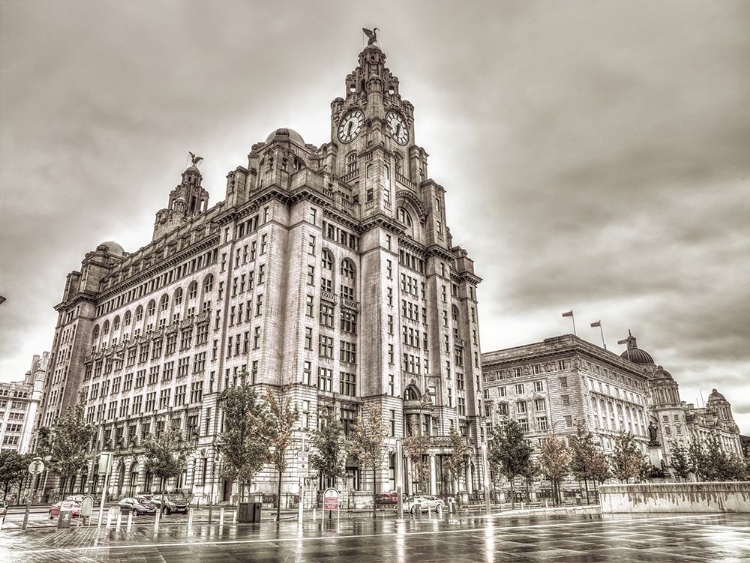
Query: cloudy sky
(595, 154)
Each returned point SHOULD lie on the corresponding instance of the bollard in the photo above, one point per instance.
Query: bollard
(234, 517)
(546, 503)
(210, 512)
(156, 520)
(26, 516)
(521, 505)
(221, 517)
(119, 520)
(190, 519)
(314, 515)
(109, 518)
(429, 513)
(130, 520)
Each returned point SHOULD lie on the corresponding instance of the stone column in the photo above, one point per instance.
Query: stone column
(433, 475)
(469, 477)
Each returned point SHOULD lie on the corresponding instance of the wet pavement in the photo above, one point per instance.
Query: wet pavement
(587, 538)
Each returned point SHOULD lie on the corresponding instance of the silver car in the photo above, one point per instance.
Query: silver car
(423, 502)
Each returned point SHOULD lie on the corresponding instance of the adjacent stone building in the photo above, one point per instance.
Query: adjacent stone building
(554, 385)
(19, 404)
(327, 273)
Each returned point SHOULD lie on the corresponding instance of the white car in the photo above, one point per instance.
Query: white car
(423, 502)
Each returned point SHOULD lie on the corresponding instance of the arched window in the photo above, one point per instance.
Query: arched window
(151, 308)
(404, 217)
(208, 283)
(116, 324)
(326, 276)
(386, 172)
(411, 394)
(95, 334)
(126, 318)
(327, 260)
(177, 299)
(368, 173)
(139, 314)
(164, 302)
(193, 290)
(105, 328)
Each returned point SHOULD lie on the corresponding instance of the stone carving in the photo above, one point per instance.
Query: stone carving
(372, 35)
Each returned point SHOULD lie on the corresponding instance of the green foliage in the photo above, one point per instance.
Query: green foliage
(627, 458)
(165, 454)
(281, 420)
(455, 464)
(416, 445)
(328, 455)
(600, 470)
(247, 427)
(367, 442)
(555, 458)
(582, 453)
(711, 463)
(509, 453)
(680, 460)
(14, 468)
(68, 442)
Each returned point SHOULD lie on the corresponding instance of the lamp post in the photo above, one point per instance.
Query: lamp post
(486, 469)
(399, 479)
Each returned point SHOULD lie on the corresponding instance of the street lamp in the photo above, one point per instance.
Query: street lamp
(486, 469)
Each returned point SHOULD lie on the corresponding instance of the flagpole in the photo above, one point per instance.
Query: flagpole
(602, 331)
(574, 324)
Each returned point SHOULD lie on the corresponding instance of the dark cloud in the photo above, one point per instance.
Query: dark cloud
(594, 155)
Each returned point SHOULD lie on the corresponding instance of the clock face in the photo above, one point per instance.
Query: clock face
(397, 127)
(351, 125)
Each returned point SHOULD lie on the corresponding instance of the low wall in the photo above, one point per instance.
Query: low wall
(676, 497)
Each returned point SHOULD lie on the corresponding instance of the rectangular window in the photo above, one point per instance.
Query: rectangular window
(565, 400)
(325, 379)
(348, 384)
(306, 373)
(539, 405)
(309, 305)
(308, 338)
(348, 352)
(521, 407)
(325, 349)
(326, 314)
(539, 386)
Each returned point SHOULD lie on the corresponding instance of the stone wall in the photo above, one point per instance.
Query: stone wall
(676, 497)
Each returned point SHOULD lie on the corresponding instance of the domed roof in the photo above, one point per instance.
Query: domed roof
(715, 396)
(112, 247)
(286, 134)
(660, 371)
(635, 354)
(193, 168)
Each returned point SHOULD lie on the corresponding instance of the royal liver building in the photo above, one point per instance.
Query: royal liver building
(327, 273)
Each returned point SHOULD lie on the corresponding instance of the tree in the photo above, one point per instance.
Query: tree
(165, 454)
(456, 462)
(680, 461)
(711, 463)
(244, 442)
(367, 442)
(328, 455)
(582, 450)
(600, 470)
(282, 418)
(627, 458)
(415, 445)
(509, 453)
(14, 468)
(528, 473)
(67, 443)
(555, 461)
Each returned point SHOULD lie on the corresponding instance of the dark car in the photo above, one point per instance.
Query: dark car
(169, 503)
(137, 505)
(390, 497)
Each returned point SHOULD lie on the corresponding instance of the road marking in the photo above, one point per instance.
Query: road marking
(356, 536)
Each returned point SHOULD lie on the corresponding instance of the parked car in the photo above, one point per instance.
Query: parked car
(391, 497)
(424, 502)
(68, 504)
(169, 503)
(137, 505)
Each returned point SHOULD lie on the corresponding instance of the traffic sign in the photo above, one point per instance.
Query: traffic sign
(36, 466)
(302, 465)
(331, 499)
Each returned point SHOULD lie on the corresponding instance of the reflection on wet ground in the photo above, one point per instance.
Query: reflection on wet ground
(591, 538)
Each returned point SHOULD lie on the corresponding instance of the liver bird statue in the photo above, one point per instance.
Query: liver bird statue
(195, 159)
(372, 35)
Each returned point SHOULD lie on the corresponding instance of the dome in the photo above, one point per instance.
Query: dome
(660, 371)
(715, 396)
(637, 356)
(286, 134)
(193, 168)
(112, 247)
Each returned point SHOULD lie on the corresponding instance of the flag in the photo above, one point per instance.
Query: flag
(622, 341)
(568, 314)
(597, 323)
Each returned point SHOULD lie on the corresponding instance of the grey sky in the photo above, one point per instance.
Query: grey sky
(595, 154)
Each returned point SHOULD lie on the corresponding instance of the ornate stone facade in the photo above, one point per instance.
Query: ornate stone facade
(327, 272)
(19, 404)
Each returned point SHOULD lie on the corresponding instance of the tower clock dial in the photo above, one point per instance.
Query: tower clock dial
(397, 127)
(351, 125)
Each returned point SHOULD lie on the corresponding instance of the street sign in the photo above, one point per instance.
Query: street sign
(36, 466)
(302, 465)
(331, 499)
